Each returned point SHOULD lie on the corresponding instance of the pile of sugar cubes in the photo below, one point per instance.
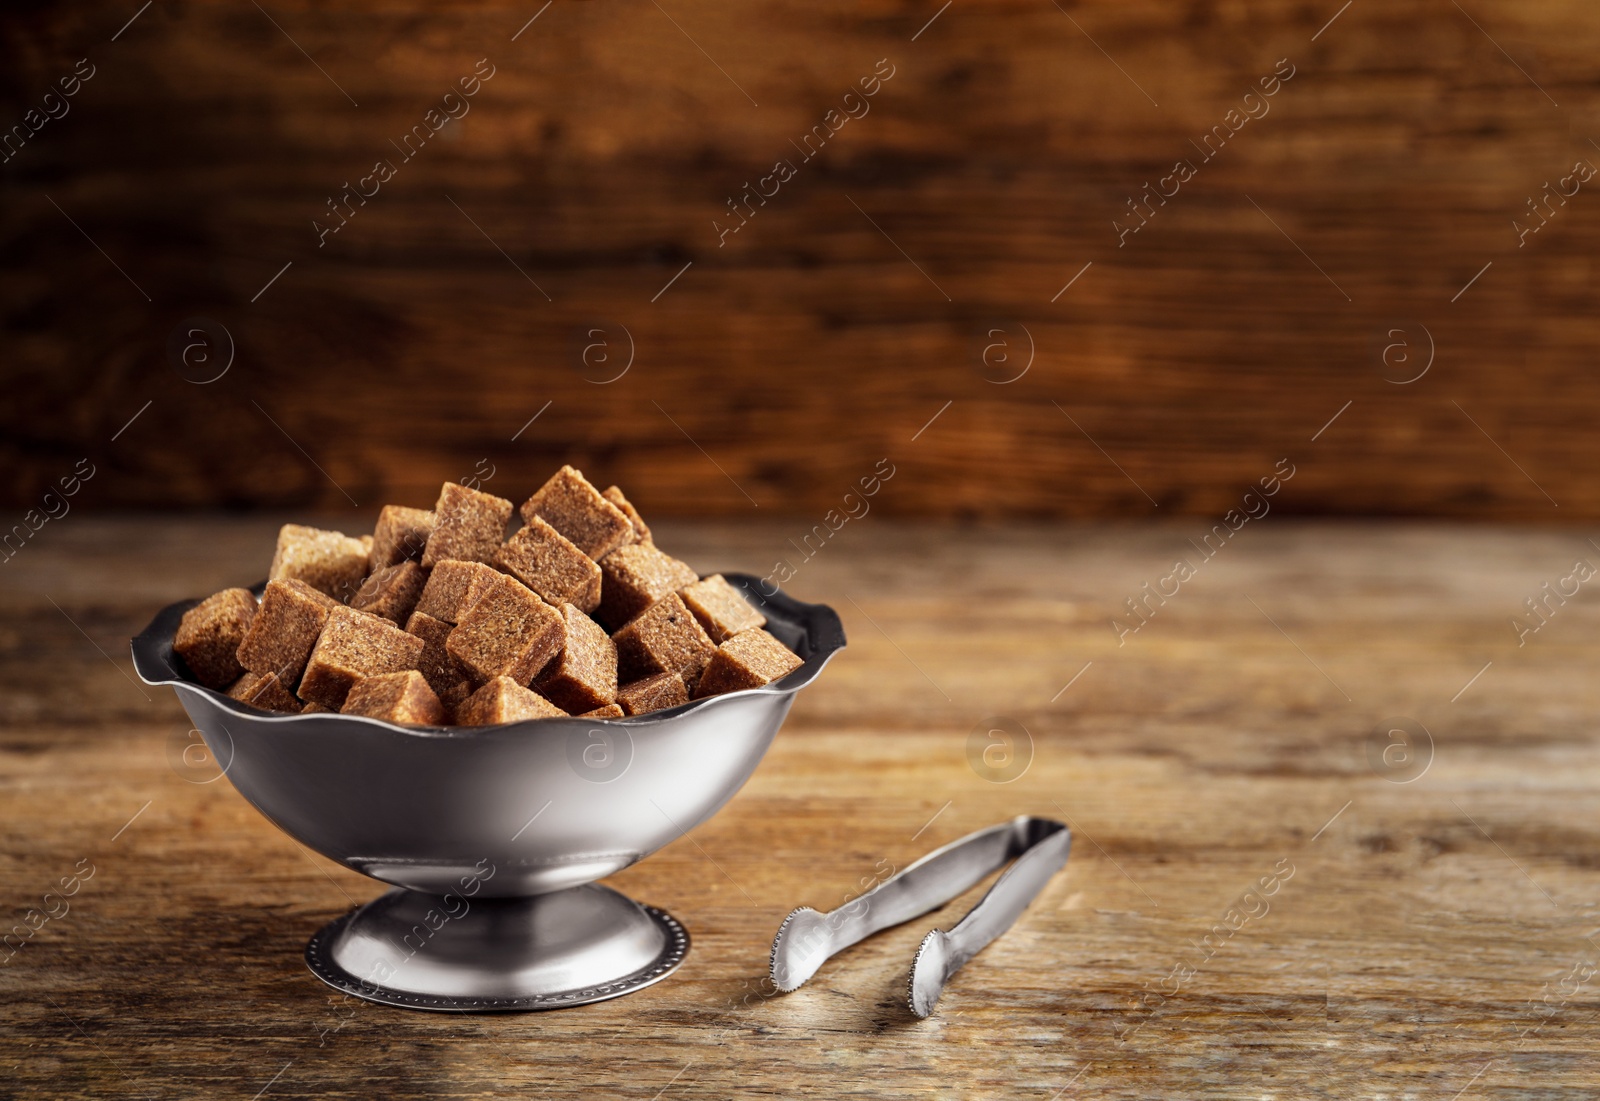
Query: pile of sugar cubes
(437, 618)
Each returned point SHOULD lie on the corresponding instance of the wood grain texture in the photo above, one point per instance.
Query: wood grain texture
(854, 304)
(1435, 938)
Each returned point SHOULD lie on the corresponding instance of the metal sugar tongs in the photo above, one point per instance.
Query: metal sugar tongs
(1039, 846)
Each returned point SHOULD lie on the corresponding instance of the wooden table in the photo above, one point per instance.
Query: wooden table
(1430, 939)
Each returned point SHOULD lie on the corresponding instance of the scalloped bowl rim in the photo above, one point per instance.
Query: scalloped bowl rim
(824, 629)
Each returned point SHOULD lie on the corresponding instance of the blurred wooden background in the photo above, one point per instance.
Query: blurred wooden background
(855, 306)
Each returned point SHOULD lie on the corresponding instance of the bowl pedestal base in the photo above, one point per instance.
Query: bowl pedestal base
(449, 954)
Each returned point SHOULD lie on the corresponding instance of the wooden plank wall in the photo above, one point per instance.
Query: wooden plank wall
(993, 165)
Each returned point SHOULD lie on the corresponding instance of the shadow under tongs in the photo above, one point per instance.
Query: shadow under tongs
(753, 1004)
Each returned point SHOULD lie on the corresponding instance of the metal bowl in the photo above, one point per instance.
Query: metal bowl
(493, 836)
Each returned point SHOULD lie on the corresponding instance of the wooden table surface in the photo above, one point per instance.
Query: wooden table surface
(1430, 939)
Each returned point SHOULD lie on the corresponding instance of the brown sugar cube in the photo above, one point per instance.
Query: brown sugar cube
(747, 660)
(652, 694)
(468, 526)
(575, 508)
(635, 577)
(551, 565)
(317, 709)
(641, 530)
(445, 675)
(453, 587)
(584, 676)
(721, 609)
(209, 635)
(664, 638)
(503, 700)
(264, 690)
(329, 561)
(398, 697)
(509, 632)
(401, 533)
(284, 630)
(392, 592)
(354, 645)
(609, 711)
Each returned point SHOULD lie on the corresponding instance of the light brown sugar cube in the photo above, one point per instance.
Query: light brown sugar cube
(664, 638)
(747, 660)
(354, 645)
(652, 693)
(468, 526)
(577, 510)
(209, 635)
(720, 608)
(284, 629)
(329, 561)
(635, 577)
(551, 565)
(641, 530)
(453, 587)
(401, 533)
(584, 676)
(266, 691)
(396, 697)
(503, 700)
(509, 632)
(391, 592)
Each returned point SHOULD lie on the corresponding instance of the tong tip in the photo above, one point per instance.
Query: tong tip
(929, 972)
(803, 944)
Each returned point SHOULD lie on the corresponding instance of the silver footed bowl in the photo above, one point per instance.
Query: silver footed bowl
(493, 836)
